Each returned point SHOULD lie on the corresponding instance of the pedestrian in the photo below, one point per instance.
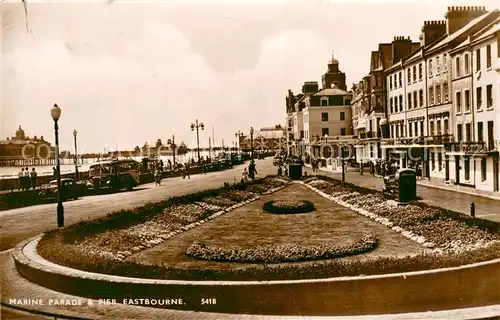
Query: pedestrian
(244, 175)
(157, 177)
(21, 179)
(286, 171)
(186, 171)
(252, 170)
(54, 172)
(280, 171)
(27, 178)
(33, 178)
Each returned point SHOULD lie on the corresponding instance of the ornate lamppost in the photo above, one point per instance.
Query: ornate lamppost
(172, 143)
(240, 136)
(76, 156)
(198, 126)
(56, 114)
(251, 143)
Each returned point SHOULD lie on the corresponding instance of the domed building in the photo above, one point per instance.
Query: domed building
(21, 150)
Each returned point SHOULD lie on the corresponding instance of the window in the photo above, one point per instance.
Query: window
(415, 99)
(410, 133)
(400, 79)
(433, 160)
(438, 127)
(445, 91)
(392, 131)
(480, 131)
(395, 81)
(467, 168)
(459, 132)
(467, 101)
(430, 67)
(347, 102)
(478, 59)
(437, 65)
(467, 132)
(457, 64)
(324, 116)
(431, 128)
(440, 161)
(483, 169)
(390, 82)
(402, 129)
(408, 72)
(446, 126)
(431, 95)
(479, 97)
(421, 97)
(414, 73)
(392, 105)
(489, 97)
(342, 131)
(491, 142)
(409, 101)
(324, 102)
(420, 72)
(302, 134)
(438, 94)
(466, 63)
(445, 62)
(458, 101)
(401, 103)
(342, 116)
(421, 127)
(416, 129)
(325, 132)
(488, 56)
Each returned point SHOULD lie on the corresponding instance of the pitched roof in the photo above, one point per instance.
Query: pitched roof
(331, 92)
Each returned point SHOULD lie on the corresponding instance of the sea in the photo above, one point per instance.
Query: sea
(68, 166)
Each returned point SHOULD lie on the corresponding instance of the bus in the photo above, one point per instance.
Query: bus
(114, 174)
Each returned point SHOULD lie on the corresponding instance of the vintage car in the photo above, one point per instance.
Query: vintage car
(69, 189)
(114, 174)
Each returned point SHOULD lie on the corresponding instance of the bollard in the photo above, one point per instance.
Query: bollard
(472, 210)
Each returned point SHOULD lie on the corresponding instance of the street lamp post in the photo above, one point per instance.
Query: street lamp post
(239, 135)
(251, 143)
(76, 156)
(197, 125)
(56, 114)
(342, 153)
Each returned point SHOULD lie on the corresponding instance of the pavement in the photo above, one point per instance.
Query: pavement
(486, 208)
(19, 224)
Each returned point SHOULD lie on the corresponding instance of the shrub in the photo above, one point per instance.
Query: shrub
(288, 206)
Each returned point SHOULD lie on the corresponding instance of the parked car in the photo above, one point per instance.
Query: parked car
(69, 189)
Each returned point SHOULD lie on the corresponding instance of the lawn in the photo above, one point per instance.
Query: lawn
(249, 226)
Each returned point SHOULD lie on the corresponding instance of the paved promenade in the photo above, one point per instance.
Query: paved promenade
(486, 208)
(21, 223)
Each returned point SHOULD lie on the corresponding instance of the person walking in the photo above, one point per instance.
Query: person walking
(286, 171)
(244, 175)
(280, 171)
(157, 177)
(186, 171)
(252, 170)
(33, 178)
(21, 179)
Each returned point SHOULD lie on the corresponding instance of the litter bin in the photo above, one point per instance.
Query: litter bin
(295, 171)
(407, 185)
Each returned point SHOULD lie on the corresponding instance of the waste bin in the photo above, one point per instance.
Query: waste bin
(295, 171)
(407, 185)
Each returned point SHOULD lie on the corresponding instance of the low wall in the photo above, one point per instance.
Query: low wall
(13, 183)
(433, 290)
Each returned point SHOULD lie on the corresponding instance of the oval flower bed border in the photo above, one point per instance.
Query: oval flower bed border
(282, 253)
(305, 207)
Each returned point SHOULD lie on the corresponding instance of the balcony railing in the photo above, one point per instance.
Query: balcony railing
(466, 147)
(429, 140)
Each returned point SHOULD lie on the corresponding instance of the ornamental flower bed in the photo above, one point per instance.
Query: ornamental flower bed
(126, 232)
(282, 253)
(288, 206)
(433, 226)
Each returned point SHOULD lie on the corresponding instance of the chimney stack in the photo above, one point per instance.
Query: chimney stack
(431, 31)
(401, 47)
(458, 17)
(310, 87)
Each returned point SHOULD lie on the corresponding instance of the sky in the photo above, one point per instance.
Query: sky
(125, 73)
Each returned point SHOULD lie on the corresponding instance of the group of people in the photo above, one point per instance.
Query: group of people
(27, 179)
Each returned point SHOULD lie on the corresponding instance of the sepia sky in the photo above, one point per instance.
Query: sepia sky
(127, 72)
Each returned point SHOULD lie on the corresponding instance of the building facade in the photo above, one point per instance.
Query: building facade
(476, 110)
(419, 89)
(21, 150)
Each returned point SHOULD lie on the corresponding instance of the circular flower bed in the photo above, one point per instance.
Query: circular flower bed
(283, 252)
(288, 206)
